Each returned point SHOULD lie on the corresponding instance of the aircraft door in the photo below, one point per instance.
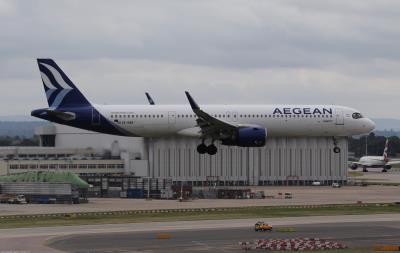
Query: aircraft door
(229, 116)
(234, 116)
(339, 117)
(171, 118)
(95, 117)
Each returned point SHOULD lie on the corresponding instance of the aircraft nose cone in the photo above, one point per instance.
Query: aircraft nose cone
(369, 125)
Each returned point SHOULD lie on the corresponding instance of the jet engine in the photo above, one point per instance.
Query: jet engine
(354, 166)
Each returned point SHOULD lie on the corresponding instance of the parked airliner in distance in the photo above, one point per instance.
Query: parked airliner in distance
(236, 125)
(383, 161)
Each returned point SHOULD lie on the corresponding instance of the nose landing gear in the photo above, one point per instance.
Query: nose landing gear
(336, 149)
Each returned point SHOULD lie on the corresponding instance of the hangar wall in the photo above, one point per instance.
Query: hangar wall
(291, 161)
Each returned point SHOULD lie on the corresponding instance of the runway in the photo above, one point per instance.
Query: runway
(197, 236)
(226, 239)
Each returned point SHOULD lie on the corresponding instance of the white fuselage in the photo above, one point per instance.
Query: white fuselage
(372, 161)
(278, 120)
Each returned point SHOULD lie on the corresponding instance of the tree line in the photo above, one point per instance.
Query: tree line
(375, 145)
(18, 141)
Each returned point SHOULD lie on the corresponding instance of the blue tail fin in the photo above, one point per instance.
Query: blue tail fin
(60, 91)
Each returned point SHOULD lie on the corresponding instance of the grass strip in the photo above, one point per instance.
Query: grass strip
(193, 214)
(355, 174)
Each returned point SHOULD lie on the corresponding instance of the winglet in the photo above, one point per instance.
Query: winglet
(193, 103)
(151, 101)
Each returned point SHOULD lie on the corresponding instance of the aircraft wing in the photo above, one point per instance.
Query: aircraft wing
(209, 125)
(393, 162)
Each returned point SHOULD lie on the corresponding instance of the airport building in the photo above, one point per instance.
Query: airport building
(283, 160)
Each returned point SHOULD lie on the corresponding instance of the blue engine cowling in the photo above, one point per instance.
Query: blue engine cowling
(248, 137)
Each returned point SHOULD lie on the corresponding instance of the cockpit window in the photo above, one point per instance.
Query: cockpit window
(356, 115)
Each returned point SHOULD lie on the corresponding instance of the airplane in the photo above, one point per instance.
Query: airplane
(376, 161)
(233, 125)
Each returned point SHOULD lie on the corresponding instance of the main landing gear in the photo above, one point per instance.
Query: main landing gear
(336, 149)
(386, 168)
(210, 149)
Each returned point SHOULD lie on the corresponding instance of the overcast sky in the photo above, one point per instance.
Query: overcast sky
(223, 52)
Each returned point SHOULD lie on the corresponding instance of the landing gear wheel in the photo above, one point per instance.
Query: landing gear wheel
(365, 169)
(202, 148)
(336, 149)
(212, 149)
(384, 170)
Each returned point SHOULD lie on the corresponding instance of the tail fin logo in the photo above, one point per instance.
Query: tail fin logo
(385, 155)
(59, 88)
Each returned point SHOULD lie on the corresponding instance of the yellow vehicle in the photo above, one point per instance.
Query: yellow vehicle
(262, 226)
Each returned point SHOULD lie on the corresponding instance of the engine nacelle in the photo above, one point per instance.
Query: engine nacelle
(248, 137)
(354, 166)
(387, 167)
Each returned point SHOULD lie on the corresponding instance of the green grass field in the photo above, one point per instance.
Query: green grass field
(355, 173)
(226, 213)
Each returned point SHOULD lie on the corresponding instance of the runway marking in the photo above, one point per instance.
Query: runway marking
(200, 243)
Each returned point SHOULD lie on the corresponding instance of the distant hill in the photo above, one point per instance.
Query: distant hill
(387, 133)
(19, 128)
(387, 124)
(18, 118)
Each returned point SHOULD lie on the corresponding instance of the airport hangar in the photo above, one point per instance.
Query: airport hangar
(283, 160)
